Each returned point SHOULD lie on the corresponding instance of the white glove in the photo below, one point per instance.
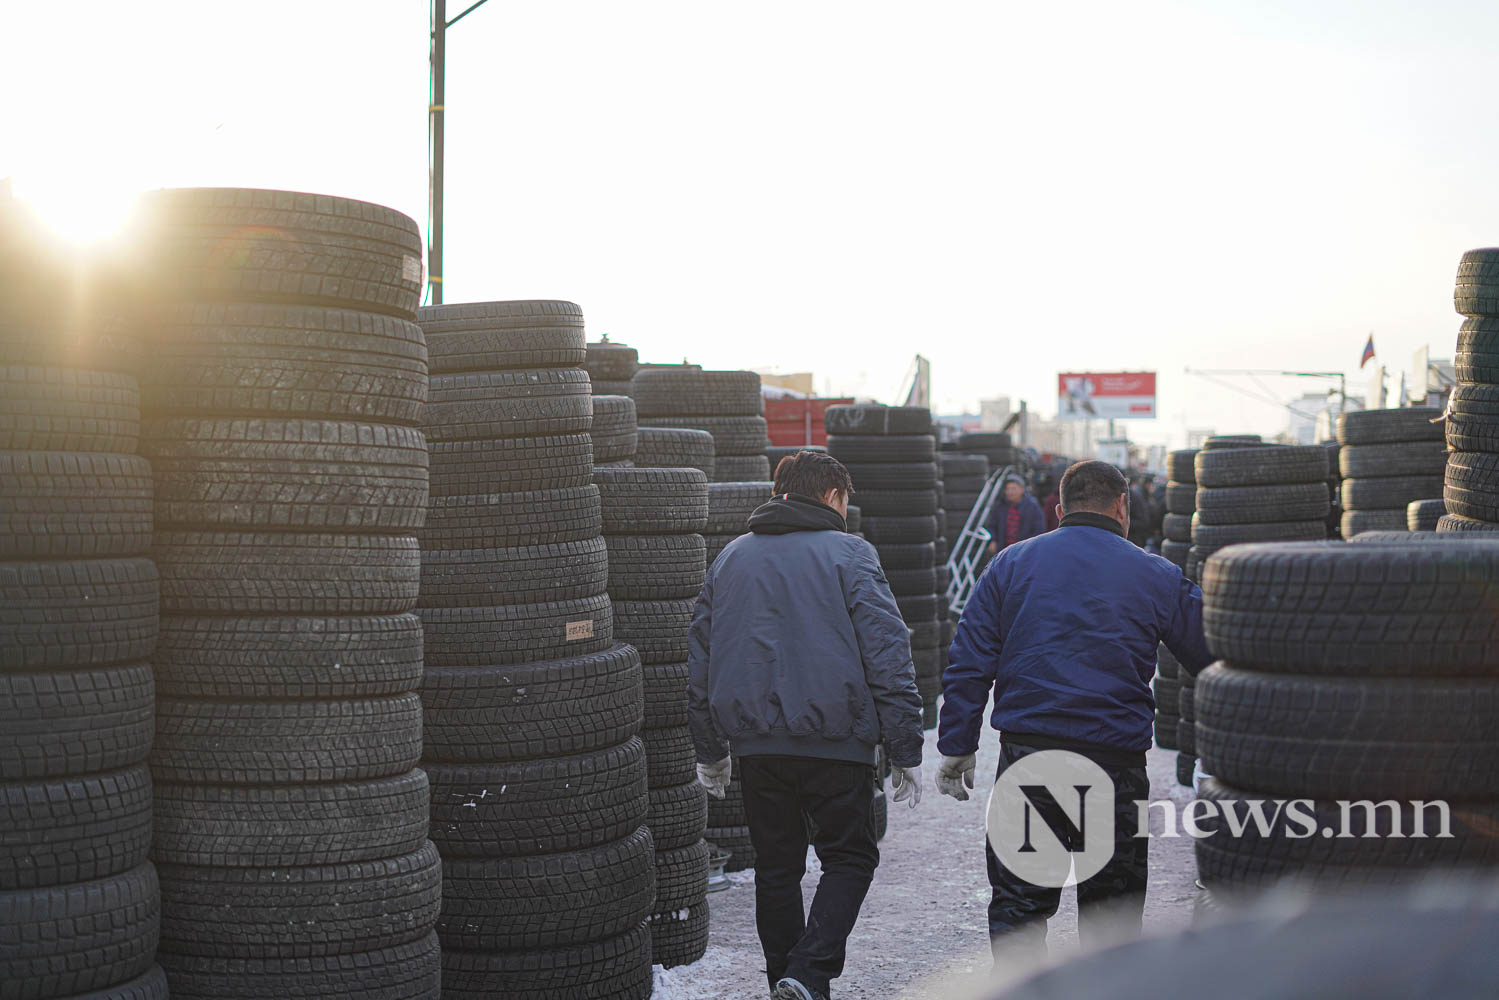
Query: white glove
(715, 777)
(906, 783)
(955, 776)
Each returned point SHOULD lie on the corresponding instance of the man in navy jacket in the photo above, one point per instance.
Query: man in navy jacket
(1064, 630)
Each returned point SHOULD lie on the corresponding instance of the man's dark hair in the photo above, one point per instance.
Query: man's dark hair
(1092, 486)
(812, 474)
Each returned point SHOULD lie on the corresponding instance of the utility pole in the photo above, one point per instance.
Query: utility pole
(435, 115)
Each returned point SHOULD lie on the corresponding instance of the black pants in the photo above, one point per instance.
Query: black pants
(838, 797)
(1110, 903)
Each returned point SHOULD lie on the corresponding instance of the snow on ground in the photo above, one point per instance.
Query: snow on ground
(922, 934)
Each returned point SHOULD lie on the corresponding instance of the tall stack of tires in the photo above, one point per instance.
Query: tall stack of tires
(891, 454)
(653, 523)
(611, 367)
(532, 709)
(674, 448)
(1181, 504)
(727, 405)
(1389, 459)
(1171, 681)
(285, 384)
(79, 903)
(1472, 475)
(1341, 680)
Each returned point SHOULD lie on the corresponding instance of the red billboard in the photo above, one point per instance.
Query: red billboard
(1106, 395)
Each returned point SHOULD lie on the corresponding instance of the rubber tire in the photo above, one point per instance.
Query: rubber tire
(78, 613)
(1275, 465)
(1410, 458)
(612, 362)
(516, 634)
(1181, 466)
(1411, 423)
(469, 407)
(675, 448)
(741, 469)
(1424, 515)
(501, 336)
(677, 941)
(656, 567)
(614, 433)
(500, 520)
(55, 831)
(890, 449)
(1181, 498)
(1355, 522)
(665, 695)
(63, 724)
(617, 968)
(68, 409)
(667, 393)
(898, 530)
(510, 465)
(866, 419)
(731, 435)
(653, 501)
(1455, 523)
(74, 505)
(1257, 504)
(529, 574)
(678, 814)
(1389, 492)
(409, 971)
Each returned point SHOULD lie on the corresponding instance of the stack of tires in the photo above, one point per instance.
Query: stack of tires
(1170, 680)
(614, 434)
(1389, 459)
(533, 711)
(611, 367)
(1181, 504)
(674, 448)
(79, 904)
(891, 454)
(1363, 688)
(285, 385)
(1472, 473)
(653, 519)
(727, 405)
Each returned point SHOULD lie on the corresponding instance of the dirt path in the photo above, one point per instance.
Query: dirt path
(922, 933)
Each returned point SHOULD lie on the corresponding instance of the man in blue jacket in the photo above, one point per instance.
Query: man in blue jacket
(799, 657)
(1064, 630)
(1015, 517)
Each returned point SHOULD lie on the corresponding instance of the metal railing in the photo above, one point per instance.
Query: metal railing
(965, 555)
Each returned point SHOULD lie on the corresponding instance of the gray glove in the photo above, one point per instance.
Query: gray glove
(955, 776)
(715, 777)
(906, 783)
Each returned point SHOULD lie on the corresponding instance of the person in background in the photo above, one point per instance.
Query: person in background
(1046, 489)
(799, 657)
(1014, 517)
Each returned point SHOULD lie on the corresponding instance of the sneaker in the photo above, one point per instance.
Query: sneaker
(791, 989)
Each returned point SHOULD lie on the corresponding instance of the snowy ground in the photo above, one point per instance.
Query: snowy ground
(922, 933)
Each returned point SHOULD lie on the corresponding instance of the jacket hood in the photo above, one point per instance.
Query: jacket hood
(788, 512)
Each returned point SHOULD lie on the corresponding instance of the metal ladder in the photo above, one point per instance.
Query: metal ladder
(966, 553)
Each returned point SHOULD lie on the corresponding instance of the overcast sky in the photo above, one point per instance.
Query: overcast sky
(1011, 189)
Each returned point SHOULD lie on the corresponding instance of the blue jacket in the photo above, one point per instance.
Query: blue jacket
(1032, 521)
(1064, 628)
(797, 647)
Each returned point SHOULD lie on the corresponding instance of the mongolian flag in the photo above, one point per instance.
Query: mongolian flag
(1368, 352)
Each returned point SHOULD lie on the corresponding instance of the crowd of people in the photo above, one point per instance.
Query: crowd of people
(1027, 509)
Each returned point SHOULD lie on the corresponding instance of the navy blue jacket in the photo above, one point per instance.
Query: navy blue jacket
(1064, 628)
(797, 646)
(1032, 521)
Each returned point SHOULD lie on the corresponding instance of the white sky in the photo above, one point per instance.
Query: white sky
(1012, 189)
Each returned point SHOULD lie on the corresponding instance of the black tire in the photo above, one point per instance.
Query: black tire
(681, 877)
(1165, 730)
(1412, 423)
(1355, 611)
(1181, 498)
(55, 831)
(268, 826)
(1186, 702)
(897, 503)
(1186, 766)
(301, 912)
(72, 939)
(543, 901)
(513, 634)
(498, 520)
(1472, 486)
(1454, 522)
(895, 556)
(1209, 538)
(1177, 528)
(741, 469)
(268, 359)
(657, 629)
(271, 473)
(972, 467)
(731, 504)
(284, 246)
(74, 723)
(68, 409)
(610, 387)
(736, 840)
(656, 567)
(283, 742)
(1261, 466)
(899, 476)
(253, 658)
(1176, 552)
(1411, 458)
(666, 393)
(1477, 290)
(408, 971)
(1257, 504)
(670, 758)
(984, 441)
(1181, 466)
(678, 814)
(532, 711)
(510, 465)
(897, 530)
(611, 362)
(548, 806)
(665, 695)
(681, 936)
(1478, 352)
(874, 419)
(1228, 442)
(917, 607)
(60, 310)
(1167, 691)
(653, 501)
(675, 448)
(1356, 522)
(885, 449)
(614, 433)
(1389, 492)
(528, 574)
(1186, 735)
(1423, 515)
(1351, 738)
(523, 403)
(617, 968)
(501, 336)
(286, 573)
(910, 582)
(152, 985)
(73, 505)
(731, 435)
(78, 613)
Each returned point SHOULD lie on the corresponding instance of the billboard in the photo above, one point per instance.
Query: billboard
(1106, 395)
